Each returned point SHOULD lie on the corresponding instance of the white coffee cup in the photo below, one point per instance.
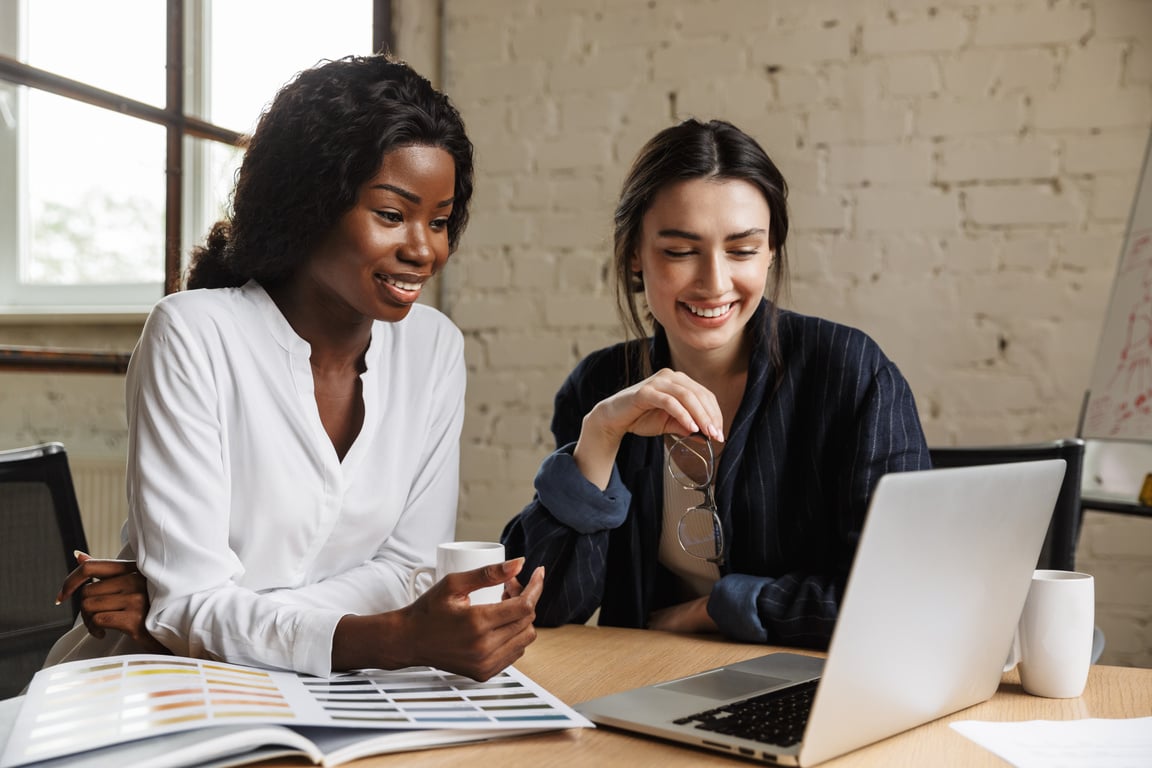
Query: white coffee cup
(1053, 643)
(457, 556)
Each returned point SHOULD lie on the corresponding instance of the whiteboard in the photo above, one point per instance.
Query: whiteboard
(1119, 402)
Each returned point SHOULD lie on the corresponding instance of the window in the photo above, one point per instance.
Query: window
(104, 187)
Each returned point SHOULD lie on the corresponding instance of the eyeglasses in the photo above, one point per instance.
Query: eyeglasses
(691, 462)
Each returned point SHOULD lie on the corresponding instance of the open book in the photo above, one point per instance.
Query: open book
(169, 712)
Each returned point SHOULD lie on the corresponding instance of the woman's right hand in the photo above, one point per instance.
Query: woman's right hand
(443, 629)
(113, 595)
(667, 402)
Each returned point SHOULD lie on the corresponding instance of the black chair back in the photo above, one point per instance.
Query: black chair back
(1059, 550)
(40, 527)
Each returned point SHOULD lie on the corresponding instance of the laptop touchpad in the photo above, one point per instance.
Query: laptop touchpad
(724, 684)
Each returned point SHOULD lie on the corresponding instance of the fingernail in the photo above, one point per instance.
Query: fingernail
(513, 565)
(58, 601)
(78, 554)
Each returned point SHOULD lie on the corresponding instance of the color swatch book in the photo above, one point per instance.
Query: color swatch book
(171, 711)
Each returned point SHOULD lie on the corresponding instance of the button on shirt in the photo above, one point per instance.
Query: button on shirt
(254, 537)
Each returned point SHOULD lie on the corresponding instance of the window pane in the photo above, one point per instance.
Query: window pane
(117, 45)
(290, 35)
(211, 168)
(95, 195)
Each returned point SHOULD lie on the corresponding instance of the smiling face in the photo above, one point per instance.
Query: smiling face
(704, 256)
(376, 260)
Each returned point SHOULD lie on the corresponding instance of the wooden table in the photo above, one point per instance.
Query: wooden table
(577, 663)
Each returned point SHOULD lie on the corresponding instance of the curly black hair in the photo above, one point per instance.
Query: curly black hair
(324, 135)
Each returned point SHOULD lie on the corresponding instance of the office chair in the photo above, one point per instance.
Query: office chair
(40, 527)
(1059, 550)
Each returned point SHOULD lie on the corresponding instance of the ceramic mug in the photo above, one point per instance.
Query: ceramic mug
(1053, 643)
(457, 556)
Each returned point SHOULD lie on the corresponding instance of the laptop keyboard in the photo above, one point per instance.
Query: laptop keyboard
(778, 717)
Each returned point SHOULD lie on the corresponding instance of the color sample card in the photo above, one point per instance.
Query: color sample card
(84, 705)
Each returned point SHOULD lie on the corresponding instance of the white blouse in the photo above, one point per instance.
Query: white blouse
(254, 537)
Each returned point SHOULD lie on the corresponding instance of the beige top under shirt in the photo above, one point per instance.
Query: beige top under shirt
(695, 576)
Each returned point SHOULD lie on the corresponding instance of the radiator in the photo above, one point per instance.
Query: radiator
(103, 503)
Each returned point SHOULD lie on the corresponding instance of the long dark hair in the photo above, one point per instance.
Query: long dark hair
(324, 135)
(696, 150)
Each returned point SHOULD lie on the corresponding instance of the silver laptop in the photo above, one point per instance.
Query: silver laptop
(939, 580)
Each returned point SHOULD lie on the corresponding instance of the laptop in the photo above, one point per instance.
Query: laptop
(944, 564)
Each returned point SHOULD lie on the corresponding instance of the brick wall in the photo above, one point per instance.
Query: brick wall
(961, 176)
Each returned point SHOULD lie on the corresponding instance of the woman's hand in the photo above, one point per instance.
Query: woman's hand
(667, 402)
(443, 630)
(691, 616)
(113, 595)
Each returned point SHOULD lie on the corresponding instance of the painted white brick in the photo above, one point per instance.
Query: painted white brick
(1099, 64)
(875, 123)
(1124, 19)
(705, 99)
(880, 164)
(520, 349)
(1093, 108)
(1023, 205)
(1113, 198)
(586, 311)
(551, 39)
(943, 32)
(515, 428)
(851, 85)
(684, 61)
(972, 252)
(472, 40)
(494, 312)
(481, 81)
(817, 212)
(798, 47)
(997, 159)
(897, 210)
(1138, 66)
(800, 168)
(479, 269)
(1036, 25)
(469, 11)
(567, 230)
(528, 118)
(795, 87)
(913, 76)
(726, 18)
(1095, 251)
(643, 26)
(1121, 150)
(534, 269)
(586, 273)
(508, 156)
(586, 111)
(497, 228)
(622, 69)
(575, 151)
(1034, 255)
(943, 117)
(482, 463)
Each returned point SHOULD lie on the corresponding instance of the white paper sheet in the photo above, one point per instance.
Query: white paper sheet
(1101, 743)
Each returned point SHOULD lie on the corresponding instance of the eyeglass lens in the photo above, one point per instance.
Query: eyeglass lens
(690, 461)
(700, 533)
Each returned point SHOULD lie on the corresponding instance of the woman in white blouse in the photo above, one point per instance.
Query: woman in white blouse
(294, 426)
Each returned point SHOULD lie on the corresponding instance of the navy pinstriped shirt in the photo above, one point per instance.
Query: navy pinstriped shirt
(792, 488)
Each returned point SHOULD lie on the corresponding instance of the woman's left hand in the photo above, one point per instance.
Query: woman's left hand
(113, 595)
(691, 616)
